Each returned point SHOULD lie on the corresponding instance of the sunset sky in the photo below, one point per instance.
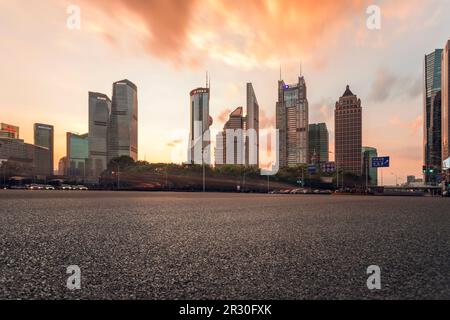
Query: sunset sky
(166, 46)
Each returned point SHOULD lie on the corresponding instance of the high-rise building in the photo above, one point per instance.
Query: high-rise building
(199, 150)
(445, 84)
(371, 174)
(123, 125)
(62, 170)
(44, 137)
(292, 123)
(99, 115)
(9, 131)
(318, 143)
(348, 135)
(432, 144)
(233, 136)
(77, 154)
(252, 124)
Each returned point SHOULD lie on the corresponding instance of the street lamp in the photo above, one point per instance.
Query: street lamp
(396, 178)
(117, 173)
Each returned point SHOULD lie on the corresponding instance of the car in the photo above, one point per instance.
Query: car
(65, 187)
(18, 187)
(446, 193)
(49, 187)
(80, 187)
(35, 187)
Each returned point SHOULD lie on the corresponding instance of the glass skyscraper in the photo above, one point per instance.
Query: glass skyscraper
(252, 123)
(199, 151)
(123, 125)
(44, 137)
(432, 144)
(292, 123)
(445, 83)
(77, 154)
(99, 115)
(318, 143)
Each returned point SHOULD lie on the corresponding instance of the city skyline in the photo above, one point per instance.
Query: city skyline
(392, 115)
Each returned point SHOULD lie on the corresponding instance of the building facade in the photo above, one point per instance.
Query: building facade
(77, 155)
(252, 126)
(25, 157)
(432, 139)
(230, 143)
(44, 137)
(199, 150)
(99, 117)
(445, 85)
(348, 135)
(292, 123)
(9, 131)
(371, 174)
(318, 143)
(123, 124)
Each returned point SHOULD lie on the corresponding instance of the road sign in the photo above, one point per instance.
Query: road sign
(381, 162)
(312, 169)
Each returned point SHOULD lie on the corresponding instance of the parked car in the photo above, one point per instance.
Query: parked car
(49, 187)
(80, 187)
(35, 187)
(65, 187)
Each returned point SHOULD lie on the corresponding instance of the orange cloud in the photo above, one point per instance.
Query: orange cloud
(242, 33)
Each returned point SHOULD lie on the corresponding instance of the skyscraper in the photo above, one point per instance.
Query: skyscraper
(44, 137)
(348, 135)
(252, 124)
(318, 143)
(445, 83)
(123, 125)
(432, 144)
(199, 151)
(99, 115)
(233, 136)
(292, 123)
(370, 173)
(77, 154)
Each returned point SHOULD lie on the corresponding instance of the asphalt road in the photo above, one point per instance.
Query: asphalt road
(222, 246)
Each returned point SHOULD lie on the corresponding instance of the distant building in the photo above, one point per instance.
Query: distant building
(372, 173)
(252, 123)
(348, 133)
(199, 150)
(44, 137)
(123, 126)
(233, 136)
(318, 143)
(9, 131)
(445, 84)
(62, 166)
(410, 179)
(99, 115)
(292, 123)
(77, 155)
(432, 144)
(24, 156)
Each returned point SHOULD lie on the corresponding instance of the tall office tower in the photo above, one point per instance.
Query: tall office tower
(44, 137)
(252, 126)
(99, 114)
(445, 83)
(432, 144)
(123, 124)
(77, 154)
(292, 123)
(230, 145)
(199, 150)
(370, 173)
(348, 135)
(9, 131)
(318, 143)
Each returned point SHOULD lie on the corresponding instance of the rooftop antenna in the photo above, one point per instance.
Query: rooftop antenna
(206, 79)
(280, 73)
(301, 71)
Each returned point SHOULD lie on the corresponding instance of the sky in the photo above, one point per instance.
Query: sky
(166, 46)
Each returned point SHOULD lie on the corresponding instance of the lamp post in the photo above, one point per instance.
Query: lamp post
(117, 173)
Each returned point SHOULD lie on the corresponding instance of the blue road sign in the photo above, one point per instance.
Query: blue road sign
(381, 162)
(312, 169)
